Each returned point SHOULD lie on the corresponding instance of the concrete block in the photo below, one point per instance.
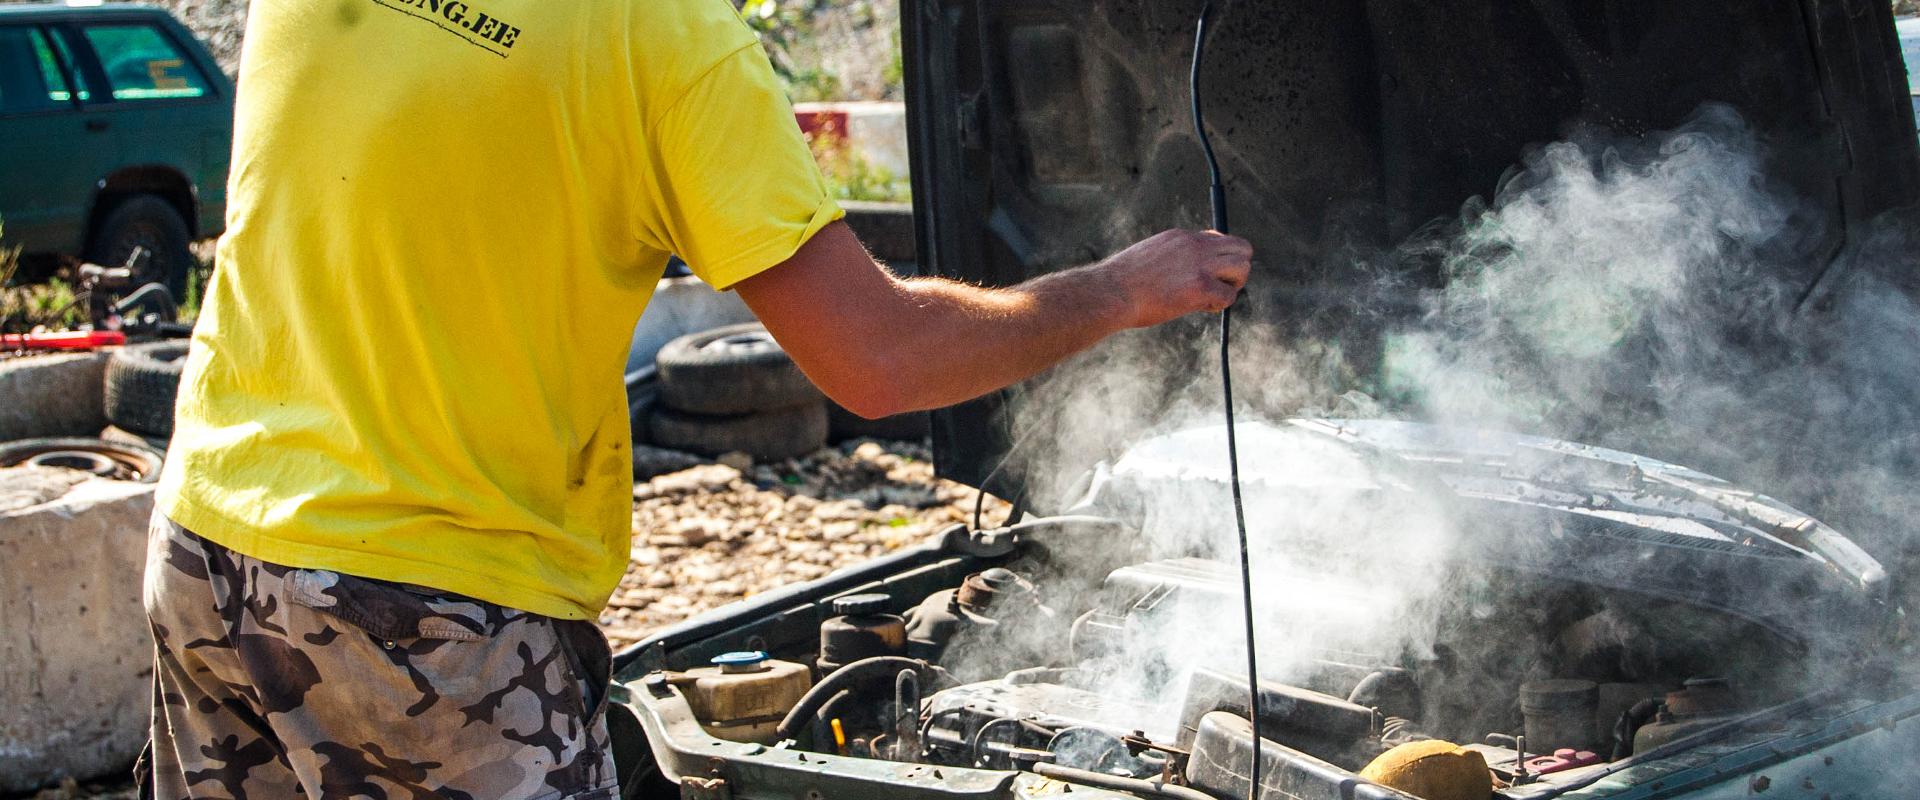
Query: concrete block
(877, 130)
(53, 395)
(76, 657)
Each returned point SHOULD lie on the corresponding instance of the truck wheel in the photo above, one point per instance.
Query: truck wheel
(142, 382)
(149, 221)
(737, 369)
(768, 435)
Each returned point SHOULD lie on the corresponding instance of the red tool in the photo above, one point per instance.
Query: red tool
(70, 340)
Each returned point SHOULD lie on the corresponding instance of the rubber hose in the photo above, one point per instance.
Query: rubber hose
(815, 698)
(1119, 784)
(1629, 724)
(1372, 691)
(822, 731)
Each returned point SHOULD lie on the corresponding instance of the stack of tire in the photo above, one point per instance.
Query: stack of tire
(142, 382)
(733, 390)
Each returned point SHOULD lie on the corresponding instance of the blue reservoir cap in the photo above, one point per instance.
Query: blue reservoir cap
(741, 660)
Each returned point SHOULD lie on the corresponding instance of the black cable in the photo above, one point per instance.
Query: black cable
(1217, 196)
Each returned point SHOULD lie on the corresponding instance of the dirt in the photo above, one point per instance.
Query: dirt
(720, 532)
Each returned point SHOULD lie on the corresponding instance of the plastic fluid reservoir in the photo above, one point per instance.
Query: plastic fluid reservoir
(743, 696)
(861, 628)
(1559, 714)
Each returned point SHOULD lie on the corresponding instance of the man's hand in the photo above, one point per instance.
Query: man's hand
(880, 345)
(1177, 272)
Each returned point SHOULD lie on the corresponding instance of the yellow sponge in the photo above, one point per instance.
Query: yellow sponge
(1432, 770)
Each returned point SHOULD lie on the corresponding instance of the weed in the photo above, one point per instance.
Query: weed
(197, 277)
(51, 305)
(850, 176)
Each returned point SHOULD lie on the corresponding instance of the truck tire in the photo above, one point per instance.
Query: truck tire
(117, 460)
(738, 369)
(142, 382)
(149, 221)
(910, 427)
(768, 435)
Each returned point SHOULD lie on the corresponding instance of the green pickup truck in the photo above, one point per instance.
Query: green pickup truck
(115, 132)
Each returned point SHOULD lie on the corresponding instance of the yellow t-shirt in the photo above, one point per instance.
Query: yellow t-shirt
(444, 219)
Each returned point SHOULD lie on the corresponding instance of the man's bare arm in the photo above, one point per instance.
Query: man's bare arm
(879, 344)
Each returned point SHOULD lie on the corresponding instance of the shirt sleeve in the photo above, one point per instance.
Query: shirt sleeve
(736, 189)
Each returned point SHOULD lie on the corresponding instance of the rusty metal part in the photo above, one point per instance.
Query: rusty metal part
(979, 591)
(905, 740)
(1701, 696)
(116, 460)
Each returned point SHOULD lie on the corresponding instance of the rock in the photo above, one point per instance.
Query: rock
(649, 461)
(737, 460)
(703, 478)
(76, 657)
(696, 531)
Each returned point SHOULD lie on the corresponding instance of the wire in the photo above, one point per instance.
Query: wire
(1217, 197)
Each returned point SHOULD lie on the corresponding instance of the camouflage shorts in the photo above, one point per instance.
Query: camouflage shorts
(272, 682)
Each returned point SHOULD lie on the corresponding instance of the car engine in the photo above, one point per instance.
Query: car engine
(1003, 672)
(1538, 611)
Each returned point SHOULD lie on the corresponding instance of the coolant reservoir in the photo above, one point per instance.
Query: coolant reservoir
(743, 696)
(861, 630)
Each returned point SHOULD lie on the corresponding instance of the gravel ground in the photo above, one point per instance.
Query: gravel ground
(707, 536)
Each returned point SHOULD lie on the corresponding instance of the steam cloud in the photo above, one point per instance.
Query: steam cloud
(1656, 294)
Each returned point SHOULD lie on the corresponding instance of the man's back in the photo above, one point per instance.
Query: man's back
(445, 219)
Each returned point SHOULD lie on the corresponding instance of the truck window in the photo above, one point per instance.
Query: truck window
(30, 76)
(143, 64)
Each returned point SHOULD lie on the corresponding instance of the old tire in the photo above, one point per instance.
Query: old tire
(149, 221)
(643, 395)
(738, 369)
(142, 382)
(123, 461)
(911, 427)
(768, 435)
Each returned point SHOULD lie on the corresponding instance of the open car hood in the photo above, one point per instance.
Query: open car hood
(1587, 513)
(1048, 134)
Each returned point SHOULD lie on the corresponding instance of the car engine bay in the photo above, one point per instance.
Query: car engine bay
(1096, 651)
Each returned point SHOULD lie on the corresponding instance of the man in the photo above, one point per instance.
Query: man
(399, 485)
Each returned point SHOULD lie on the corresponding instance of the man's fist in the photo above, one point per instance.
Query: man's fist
(1178, 272)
